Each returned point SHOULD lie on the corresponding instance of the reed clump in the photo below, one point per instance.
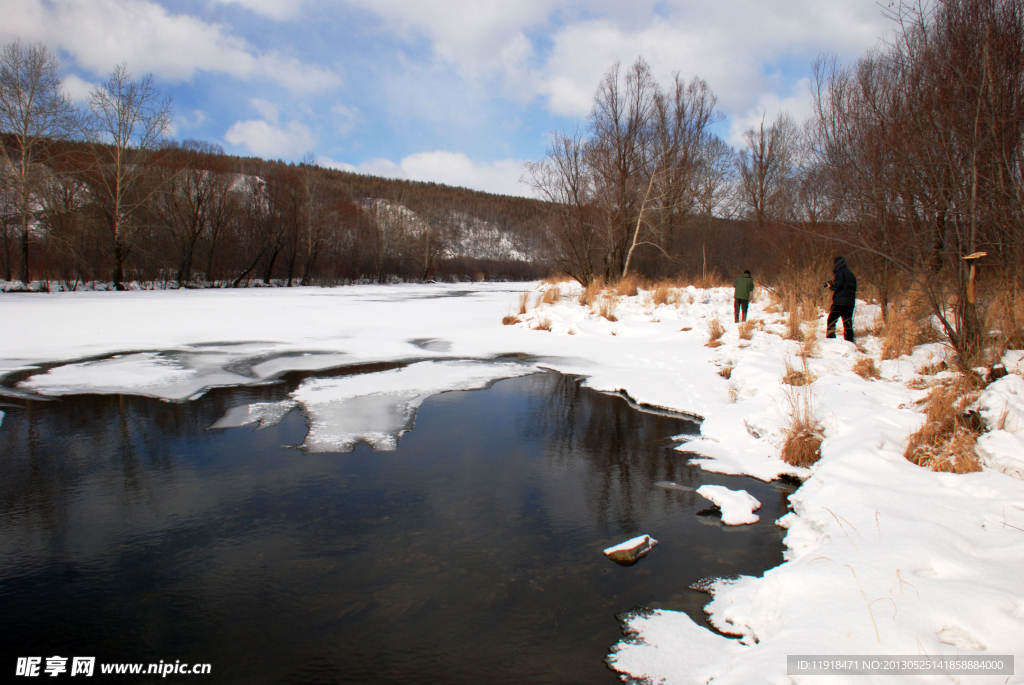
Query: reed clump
(946, 440)
(746, 330)
(590, 294)
(803, 431)
(543, 324)
(551, 296)
(628, 287)
(715, 333)
(524, 302)
(798, 376)
(510, 319)
(866, 368)
(606, 305)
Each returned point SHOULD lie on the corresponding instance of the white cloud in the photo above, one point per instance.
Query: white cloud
(272, 9)
(268, 110)
(798, 104)
(559, 50)
(78, 88)
(346, 117)
(99, 34)
(270, 140)
(442, 166)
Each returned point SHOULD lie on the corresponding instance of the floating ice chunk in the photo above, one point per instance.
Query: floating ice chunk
(737, 506)
(631, 551)
(377, 408)
(264, 413)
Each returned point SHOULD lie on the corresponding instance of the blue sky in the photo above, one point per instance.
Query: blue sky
(453, 91)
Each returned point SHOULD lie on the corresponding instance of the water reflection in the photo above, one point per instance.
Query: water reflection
(471, 554)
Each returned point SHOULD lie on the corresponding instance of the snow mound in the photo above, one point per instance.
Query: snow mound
(737, 506)
(668, 647)
(377, 408)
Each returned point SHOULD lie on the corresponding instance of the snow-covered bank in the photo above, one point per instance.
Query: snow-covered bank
(883, 557)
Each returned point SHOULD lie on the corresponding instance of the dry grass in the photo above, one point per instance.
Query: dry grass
(946, 440)
(804, 432)
(550, 296)
(809, 343)
(606, 305)
(590, 294)
(543, 324)
(713, 279)
(726, 372)
(627, 287)
(715, 333)
(510, 320)
(746, 329)
(798, 377)
(1008, 317)
(555, 279)
(524, 301)
(665, 293)
(865, 368)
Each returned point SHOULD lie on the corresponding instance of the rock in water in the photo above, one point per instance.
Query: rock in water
(631, 551)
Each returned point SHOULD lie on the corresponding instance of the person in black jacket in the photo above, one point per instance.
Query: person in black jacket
(844, 296)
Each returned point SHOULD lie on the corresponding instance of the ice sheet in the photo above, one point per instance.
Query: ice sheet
(377, 408)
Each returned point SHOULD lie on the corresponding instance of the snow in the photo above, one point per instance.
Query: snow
(376, 408)
(738, 506)
(882, 557)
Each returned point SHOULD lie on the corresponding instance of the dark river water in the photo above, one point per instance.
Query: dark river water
(472, 554)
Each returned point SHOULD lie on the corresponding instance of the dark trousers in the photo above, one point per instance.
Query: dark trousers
(846, 313)
(739, 306)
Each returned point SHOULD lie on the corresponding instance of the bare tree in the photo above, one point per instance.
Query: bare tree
(34, 114)
(129, 120)
(766, 170)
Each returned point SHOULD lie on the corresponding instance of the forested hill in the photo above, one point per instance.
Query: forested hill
(189, 214)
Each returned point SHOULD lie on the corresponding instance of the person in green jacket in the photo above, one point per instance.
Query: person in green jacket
(744, 286)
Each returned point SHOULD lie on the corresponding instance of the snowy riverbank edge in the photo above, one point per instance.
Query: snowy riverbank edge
(883, 557)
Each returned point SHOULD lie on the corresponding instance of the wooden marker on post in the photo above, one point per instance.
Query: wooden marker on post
(970, 279)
